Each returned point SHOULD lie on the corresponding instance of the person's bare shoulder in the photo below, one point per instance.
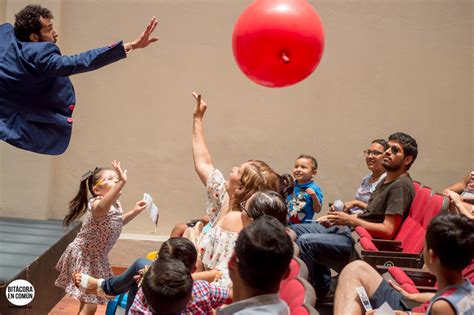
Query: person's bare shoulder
(442, 307)
(232, 222)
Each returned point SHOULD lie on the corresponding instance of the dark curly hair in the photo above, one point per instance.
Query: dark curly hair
(410, 147)
(27, 21)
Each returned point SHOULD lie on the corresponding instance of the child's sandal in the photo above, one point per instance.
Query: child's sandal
(83, 286)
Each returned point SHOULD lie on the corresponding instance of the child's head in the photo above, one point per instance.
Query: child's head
(265, 202)
(167, 286)
(106, 180)
(449, 242)
(179, 248)
(97, 182)
(263, 252)
(305, 168)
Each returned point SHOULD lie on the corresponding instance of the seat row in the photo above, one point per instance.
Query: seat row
(406, 248)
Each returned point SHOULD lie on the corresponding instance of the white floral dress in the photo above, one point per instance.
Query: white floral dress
(88, 253)
(217, 246)
(217, 197)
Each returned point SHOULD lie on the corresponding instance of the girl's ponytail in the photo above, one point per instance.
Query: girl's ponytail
(78, 205)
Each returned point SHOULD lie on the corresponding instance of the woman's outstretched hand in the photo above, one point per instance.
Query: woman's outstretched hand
(200, 108)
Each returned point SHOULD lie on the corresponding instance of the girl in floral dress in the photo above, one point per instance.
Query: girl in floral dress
(103, 222)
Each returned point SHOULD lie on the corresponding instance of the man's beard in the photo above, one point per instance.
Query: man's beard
(391, 167)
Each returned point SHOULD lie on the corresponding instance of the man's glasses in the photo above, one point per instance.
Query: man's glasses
(395, 150)
(372, 152)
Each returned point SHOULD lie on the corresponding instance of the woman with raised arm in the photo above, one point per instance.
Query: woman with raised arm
(225, 197)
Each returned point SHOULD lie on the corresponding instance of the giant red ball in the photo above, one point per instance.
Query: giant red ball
(278, 43)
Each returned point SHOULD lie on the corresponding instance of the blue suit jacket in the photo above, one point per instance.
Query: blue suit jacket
(36, 96)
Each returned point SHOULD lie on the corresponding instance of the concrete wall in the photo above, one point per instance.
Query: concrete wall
(388, 66)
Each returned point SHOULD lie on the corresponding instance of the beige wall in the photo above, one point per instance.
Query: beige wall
(388, 66)
(24, 185)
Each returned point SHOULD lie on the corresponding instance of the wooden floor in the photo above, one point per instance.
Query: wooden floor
(69, 306)
(122, 255)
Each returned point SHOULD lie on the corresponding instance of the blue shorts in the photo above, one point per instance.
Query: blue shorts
(385, 293)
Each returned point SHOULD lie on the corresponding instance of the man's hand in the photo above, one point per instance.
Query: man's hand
(348, 205)
(324, 221)
(144, 39)
(340, 218)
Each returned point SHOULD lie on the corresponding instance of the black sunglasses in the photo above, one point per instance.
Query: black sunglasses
(395, 150)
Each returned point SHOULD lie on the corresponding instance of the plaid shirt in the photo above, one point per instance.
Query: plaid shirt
(205, 298)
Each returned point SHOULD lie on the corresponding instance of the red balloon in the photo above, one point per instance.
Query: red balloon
(278, 43)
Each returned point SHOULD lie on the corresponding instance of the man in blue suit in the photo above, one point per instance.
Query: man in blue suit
(36, 95)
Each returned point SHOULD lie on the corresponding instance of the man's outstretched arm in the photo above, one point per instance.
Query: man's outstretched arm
(51, 63)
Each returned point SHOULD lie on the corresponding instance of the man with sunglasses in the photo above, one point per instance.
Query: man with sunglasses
(328, 243)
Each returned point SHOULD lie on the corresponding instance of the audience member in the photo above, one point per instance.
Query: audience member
(167, 287)
(262, 256)
(205, 298)
(458, 206)
(449, 248)
(215, 245)
(461, 195)
(465, 188)
(306, 198)
(373, 159)
(261, 203)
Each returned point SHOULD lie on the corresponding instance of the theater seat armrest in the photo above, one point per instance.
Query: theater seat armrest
(381, 241)
(426, 289)
(424, 281)
(408, 271)
(388, 245)
(390, 254)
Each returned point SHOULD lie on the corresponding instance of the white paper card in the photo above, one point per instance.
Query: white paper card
(385, 309)
(364, 298)
(152, 208)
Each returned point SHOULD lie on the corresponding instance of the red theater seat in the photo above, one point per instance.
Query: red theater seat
(297, 269)
(299, 295)
(405, 249)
